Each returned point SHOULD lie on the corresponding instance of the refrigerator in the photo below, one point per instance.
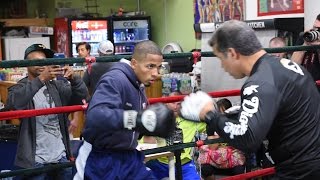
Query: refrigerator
(70, 31)
(14, 47)
(128, 31)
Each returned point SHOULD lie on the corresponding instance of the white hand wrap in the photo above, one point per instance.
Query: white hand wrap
(193, 104)
(129, 119)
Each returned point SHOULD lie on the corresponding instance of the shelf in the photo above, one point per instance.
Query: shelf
(121, 42)
(123, 53)
(88, 41)
(25, 22)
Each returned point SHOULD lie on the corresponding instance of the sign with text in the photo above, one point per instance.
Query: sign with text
(130, 24)
(41, 30)
(257, 24)
(89, 24)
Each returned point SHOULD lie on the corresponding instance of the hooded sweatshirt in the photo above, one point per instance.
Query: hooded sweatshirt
(117, 91)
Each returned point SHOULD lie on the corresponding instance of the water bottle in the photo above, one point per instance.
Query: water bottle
(174, 82)
(132, 37)
(115, 36)
(185, 84)
(166, 84)
(165, 68)
(136, 34)
(122, 36)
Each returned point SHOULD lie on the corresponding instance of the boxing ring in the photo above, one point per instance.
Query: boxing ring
(175, 148)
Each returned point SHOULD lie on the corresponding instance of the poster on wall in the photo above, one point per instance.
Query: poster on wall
(211, 11)
(278, 7)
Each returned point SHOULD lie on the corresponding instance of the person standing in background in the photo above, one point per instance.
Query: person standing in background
(83, 49)
(278, 42)
(92, 77)
(310, 59)
(44, 140)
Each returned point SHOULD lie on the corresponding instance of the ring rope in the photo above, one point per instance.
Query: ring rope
(252, 174)
(67, 109)
(114, 58)
(215, 94)
(7, 115)
(180, 146)
(38, 170)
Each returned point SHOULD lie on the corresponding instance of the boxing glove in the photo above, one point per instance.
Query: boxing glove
(211, 118)
(233, 112)
(193, 104)
(155, 120)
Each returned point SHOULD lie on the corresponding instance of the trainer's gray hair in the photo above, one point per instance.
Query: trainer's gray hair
(238, 35)
(145, 47)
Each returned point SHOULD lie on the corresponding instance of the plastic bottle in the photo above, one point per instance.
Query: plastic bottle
(116, 49)
(132, 37)
(185, 84)
(166, 84)
(136, 34)
(115, 36)
(174, 82)
(165, 68)
(122, 36)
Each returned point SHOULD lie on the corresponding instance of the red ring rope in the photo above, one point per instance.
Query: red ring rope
(252, 174)
(65, 109)
(8, 115)
(216, 94)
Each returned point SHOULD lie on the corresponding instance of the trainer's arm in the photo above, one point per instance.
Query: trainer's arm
(258, 110)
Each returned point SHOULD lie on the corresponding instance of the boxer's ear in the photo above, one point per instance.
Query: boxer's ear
(233, 53)
(134, 63)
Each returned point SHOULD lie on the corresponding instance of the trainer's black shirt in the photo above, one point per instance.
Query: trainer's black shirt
(279, 102)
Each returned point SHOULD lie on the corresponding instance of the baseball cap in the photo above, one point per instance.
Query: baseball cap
(106, 47)
(38, 47)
